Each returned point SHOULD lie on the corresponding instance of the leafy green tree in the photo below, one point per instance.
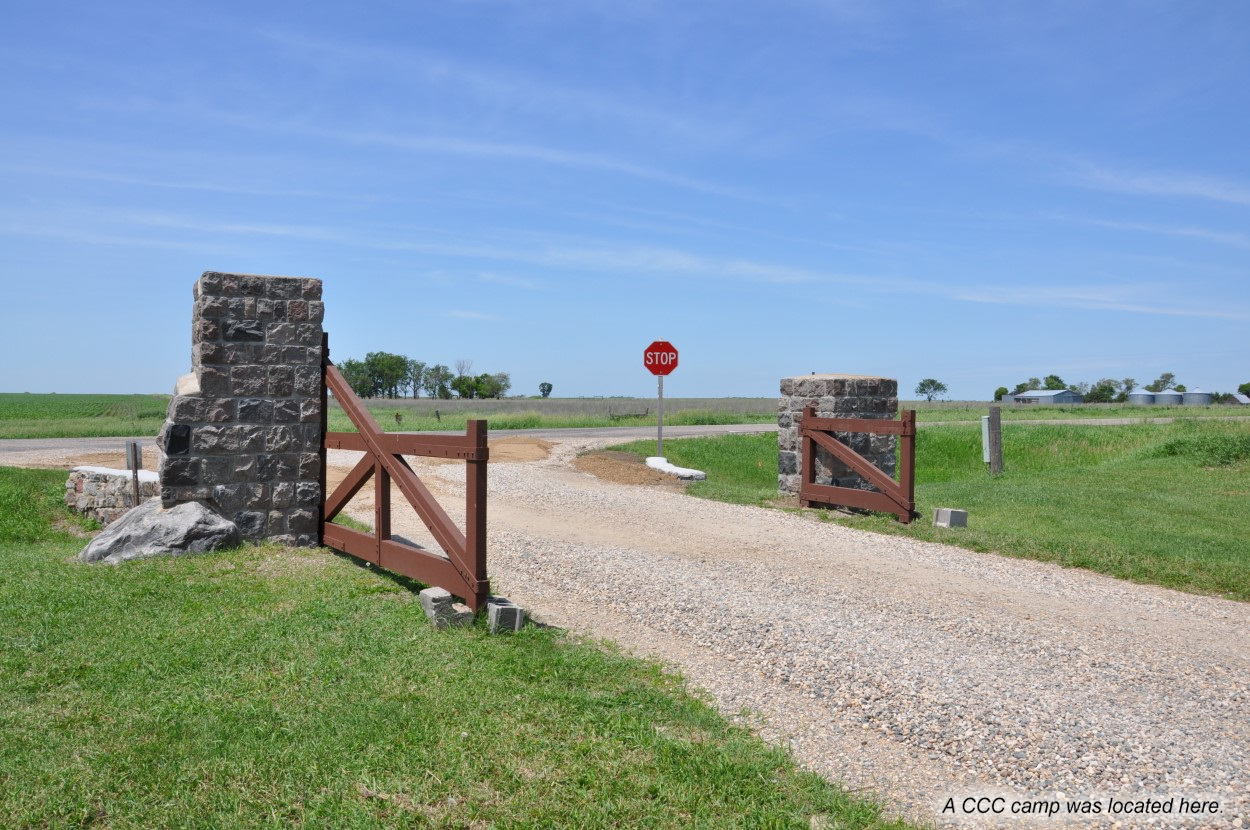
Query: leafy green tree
(1023, 386)
(1000, 393)
(1128, 385)
(1104, 391)
(1054, 383)
(464, 386)
(436, 382)
(389, 372)
(1165, 381)
(1180, 387)
(1244, 389)
(544, 389)
(503, 382)
(929, 388)
(357, 377)
(1033, 383)
(416, 374)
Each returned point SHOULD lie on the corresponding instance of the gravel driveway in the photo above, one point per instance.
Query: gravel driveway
(915, 670)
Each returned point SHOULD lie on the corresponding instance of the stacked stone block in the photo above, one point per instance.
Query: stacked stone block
(243, 433)
(834, 396)
(106, 495)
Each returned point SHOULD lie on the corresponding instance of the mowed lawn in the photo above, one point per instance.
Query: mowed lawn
(1163, 504)
(269, 687)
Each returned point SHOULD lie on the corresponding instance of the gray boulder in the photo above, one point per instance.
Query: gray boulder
(150, 530)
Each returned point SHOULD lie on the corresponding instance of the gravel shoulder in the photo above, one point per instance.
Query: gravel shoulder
(914, 670)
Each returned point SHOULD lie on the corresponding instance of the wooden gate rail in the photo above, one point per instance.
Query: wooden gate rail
(463, 571)
(897, 497)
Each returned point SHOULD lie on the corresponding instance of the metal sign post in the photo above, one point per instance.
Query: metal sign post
(659, 429)
(660, 358)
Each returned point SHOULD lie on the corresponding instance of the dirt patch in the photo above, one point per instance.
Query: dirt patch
(515, 450)
(623, 468)
(112, 460)
(518, 450)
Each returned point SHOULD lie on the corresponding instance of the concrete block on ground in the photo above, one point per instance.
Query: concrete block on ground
(950, 517)
(502, 615)
(441, 609)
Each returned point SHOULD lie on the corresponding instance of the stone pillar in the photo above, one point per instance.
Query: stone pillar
(834, 396)
(243, 433)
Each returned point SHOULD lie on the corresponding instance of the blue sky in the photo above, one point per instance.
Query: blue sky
(976, 192)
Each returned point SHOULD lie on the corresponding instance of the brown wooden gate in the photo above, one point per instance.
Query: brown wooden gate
(898, 497)
(463, 570)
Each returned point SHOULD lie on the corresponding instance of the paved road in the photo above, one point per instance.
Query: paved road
(13, 450)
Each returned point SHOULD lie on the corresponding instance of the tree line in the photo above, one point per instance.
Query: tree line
(1106, 390)
(386, 375)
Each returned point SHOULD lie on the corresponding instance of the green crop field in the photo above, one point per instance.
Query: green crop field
(26, 415)
(1163, 504)
(533, 415)
(271, 687)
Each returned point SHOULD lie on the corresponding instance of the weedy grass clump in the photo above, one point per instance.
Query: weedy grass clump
(1214, 444)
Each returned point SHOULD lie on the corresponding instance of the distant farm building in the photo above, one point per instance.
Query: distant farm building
(1244, 400)
(1169, 397)
(1141, 398)
(1048, 396)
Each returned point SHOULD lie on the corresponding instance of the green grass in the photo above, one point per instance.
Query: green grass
(25, 415)
(1162, 504)
(973, 410)
(269, 687)
(421, 421)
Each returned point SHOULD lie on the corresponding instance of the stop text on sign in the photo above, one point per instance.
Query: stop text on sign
(660, 358)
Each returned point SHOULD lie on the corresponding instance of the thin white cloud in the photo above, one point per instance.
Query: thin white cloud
(1234, 238)
(509, 87)
(175, 184)
(1182, 185)
(1131, 297)
(510, 281)
(469, 147)
(1121, 298)
(532, 152)
(461, 314)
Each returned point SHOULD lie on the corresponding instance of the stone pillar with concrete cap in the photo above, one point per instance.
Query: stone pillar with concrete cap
(834, 396)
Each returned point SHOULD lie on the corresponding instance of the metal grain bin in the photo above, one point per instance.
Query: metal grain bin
(1169, 397)
(1141, 398)
(1196, 397)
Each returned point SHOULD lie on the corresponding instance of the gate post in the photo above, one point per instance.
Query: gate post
(325, 428)
(833, 396)
(244, 429)
(475, 506)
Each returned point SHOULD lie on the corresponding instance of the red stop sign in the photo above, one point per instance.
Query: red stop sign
(660, 357)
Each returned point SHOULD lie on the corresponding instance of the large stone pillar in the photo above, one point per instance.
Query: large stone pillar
(834, 396)
(243, 433)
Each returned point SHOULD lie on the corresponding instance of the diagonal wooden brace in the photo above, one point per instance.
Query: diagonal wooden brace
(859, 464)
(441, 527)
